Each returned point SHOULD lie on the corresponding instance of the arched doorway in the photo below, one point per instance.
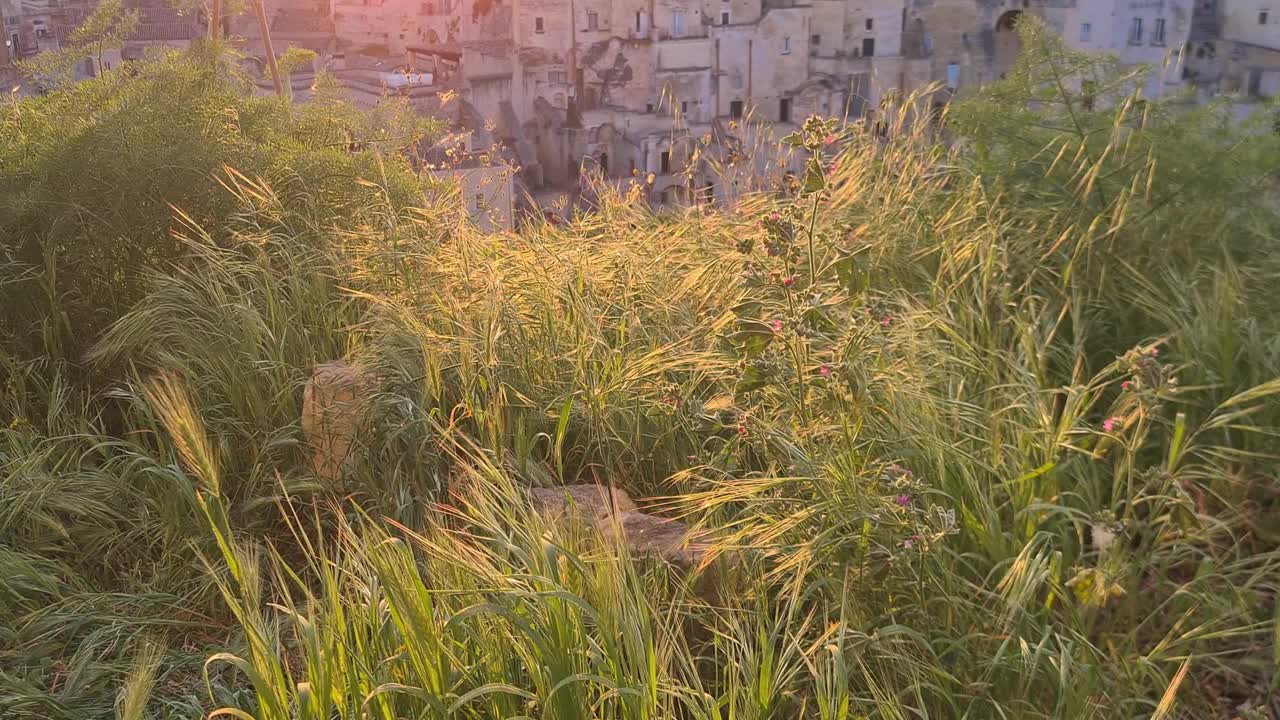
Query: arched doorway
(1007, 43)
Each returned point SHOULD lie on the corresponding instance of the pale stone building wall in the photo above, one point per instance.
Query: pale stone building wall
(1249, 59)
(779, 63)
(733, 60)
(831, 34)
(1152, 32)
(1256, 22)
(365, 25)
(739, 12)
(1090, 25)
(545, 25)
(628, 87)
(676, 19)
(628, 19)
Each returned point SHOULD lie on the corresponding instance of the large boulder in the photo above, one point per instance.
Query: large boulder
(335, 413)
(614, 514)
(671, 540)
(592, 503)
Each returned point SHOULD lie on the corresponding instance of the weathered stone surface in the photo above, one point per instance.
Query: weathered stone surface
(335, 409)
(588, 502)
(668, 539)
(612, 513)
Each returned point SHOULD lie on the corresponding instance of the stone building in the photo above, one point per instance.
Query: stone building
(963, 43)
(1237, 50)
(34, 26)
(685, 94)
(674, 91)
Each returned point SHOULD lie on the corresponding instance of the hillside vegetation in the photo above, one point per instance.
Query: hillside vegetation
(985, 418)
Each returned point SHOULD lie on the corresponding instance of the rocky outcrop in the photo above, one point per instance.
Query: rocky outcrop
(671, 540)
(335, 413)
(593, 503)
(612, 512)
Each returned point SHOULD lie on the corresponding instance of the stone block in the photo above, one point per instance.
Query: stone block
(335, 414)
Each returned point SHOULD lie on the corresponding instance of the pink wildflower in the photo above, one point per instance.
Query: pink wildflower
(825, 370)
(904, 500)
(908, 544)
(776, 325)
(1155, 352)
(774, 217)
(1110, 424)
(829, 140)
(885, 322)
(1126, 385)
(788, 282)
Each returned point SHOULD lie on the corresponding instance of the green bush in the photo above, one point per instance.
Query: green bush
(99, 178)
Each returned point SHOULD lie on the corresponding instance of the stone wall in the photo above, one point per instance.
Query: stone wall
(780, 62)
(1242, 22)
(675, 19)
(741, 12)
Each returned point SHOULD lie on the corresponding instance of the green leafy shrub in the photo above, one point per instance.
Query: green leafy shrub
(98, 176)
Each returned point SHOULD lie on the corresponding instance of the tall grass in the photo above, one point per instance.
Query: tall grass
(983, 428)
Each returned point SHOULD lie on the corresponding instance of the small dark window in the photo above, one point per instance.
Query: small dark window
(815, 40)
(735, 109)
(784, 110)
(665, 164)
(648, 107)
(724, 18)
(1262, 18)
(868, 47)
(637, 22)
(870, 23)
(604, 163)
(593, 21)
(537, 24)
(684, 107)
